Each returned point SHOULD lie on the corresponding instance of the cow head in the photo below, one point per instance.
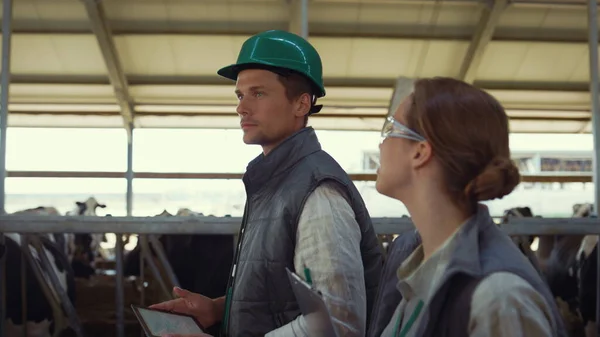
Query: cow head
(188, 212)
(59, 239)
(84, 248)
(87, 207)
(583, 210)
(519, 212)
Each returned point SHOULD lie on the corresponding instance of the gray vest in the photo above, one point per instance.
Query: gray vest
(277, 186)
(481, 249)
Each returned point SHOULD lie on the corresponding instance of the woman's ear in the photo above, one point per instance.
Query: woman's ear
(422, 153)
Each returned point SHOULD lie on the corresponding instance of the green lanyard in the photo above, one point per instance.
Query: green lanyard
(410, 322)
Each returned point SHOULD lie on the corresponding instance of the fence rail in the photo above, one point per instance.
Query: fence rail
(230, 225)
(526, 178)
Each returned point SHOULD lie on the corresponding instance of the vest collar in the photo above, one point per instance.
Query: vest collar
(465, 257)
(465, 254)
(262, 168)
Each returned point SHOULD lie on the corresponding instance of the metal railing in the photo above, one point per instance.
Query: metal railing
(230, 225)
(149, 226)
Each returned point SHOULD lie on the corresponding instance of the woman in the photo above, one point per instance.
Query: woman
(444, 150)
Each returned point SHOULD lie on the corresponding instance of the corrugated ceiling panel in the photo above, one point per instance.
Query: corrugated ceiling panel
(443, 58)
(335, 54)
(223, 16)
(581, 72)
(526, 61)
(232, 122)
(517, 16)
(379, 18)
(61, 93)
(55, 10)
(223, 94)
(540, 99)
(382, 58)
(537, 126)
(177, 55)
(564, 114)
(380, 97)
(389, 58)
(397, 14)
(41, 54)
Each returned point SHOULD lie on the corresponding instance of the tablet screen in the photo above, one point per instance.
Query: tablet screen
(162, 322)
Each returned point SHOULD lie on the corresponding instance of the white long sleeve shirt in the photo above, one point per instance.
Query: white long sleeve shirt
(328, 243)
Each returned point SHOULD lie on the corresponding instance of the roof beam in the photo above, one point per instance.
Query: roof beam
(101, 29)
(329, 82)
(298, 17)
(482, 37)
(327, 30)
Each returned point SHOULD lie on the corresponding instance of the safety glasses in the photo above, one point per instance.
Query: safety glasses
(395, 129)
(391, 127)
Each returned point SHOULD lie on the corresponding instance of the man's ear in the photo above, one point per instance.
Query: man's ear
(302, 106)
(422, 154)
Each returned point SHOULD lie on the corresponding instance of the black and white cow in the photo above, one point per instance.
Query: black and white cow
(556, 263)
(523, 241)
(84, 248)
(40, 318)
(200, 262)
(587, 257)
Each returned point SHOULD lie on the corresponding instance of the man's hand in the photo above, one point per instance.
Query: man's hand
(201, 307)
(176, 335)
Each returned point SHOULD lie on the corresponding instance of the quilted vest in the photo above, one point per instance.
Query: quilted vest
(481, 249)
(260, 298)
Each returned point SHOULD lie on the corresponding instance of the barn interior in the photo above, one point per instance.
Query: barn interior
(135, 66)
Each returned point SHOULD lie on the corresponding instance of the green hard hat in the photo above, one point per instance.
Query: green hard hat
(278, 49)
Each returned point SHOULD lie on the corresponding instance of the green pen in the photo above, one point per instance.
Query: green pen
(307, 275)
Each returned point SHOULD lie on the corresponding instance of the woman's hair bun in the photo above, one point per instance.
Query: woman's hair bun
(498, 179)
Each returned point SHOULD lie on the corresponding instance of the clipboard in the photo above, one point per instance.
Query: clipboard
(312, 306)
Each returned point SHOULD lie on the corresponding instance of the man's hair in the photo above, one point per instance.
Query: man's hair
(295, 86)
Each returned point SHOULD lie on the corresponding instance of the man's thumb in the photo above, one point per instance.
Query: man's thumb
(181, 293)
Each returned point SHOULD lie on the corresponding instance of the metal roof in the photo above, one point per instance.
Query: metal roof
(84, 63)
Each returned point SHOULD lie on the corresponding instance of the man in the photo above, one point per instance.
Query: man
(302, 209)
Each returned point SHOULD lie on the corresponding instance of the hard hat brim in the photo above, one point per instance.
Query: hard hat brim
(232, 71)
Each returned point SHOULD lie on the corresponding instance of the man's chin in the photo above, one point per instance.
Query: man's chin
(249, 140)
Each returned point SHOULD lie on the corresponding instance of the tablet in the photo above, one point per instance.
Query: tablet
(156, 322)
(312, 306)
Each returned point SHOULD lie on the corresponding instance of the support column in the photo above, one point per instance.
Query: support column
(594, 94)
(120, 294)
(4, 92)
(299, 17)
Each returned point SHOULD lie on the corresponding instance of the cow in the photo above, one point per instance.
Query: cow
(40, 320)
(200, 262)
(524, 242)
(587, 268)
(84, 248)
(555, 261)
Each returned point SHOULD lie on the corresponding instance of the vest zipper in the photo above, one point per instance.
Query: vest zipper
(233, 274)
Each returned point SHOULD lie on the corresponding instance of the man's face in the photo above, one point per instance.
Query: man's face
(267, 116)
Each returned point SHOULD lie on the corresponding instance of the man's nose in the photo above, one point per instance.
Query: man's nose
(242, 108)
